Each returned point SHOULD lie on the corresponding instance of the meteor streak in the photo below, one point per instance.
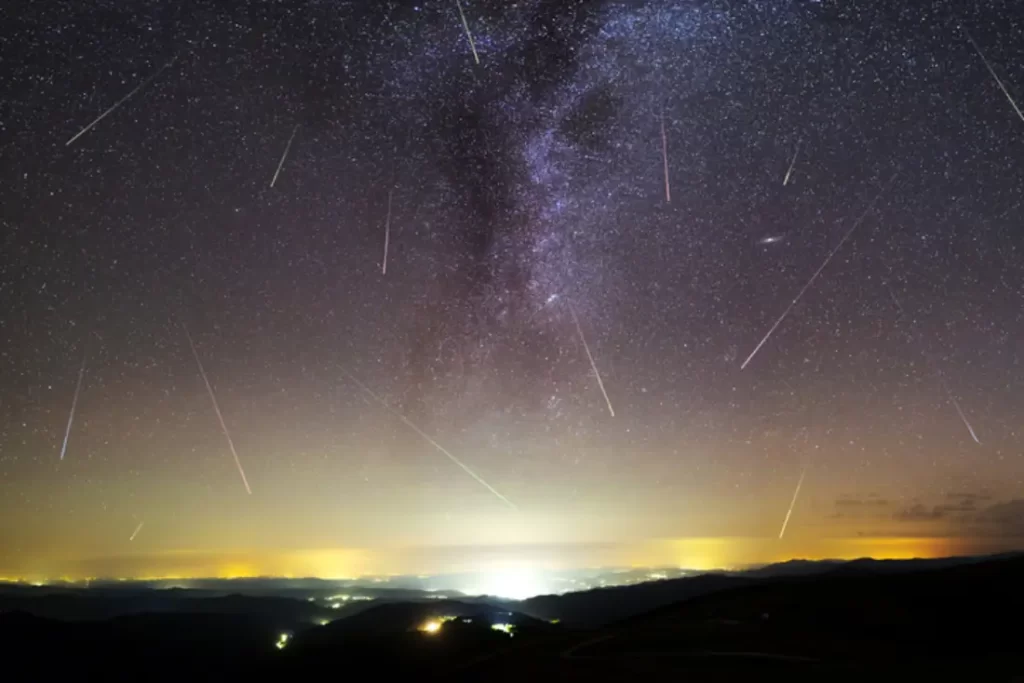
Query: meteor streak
(814, 277)
(117, 104)
(465, 25)
(593, 365)
(137, 530)
(992, 71)
(785, 181)
(216, 409)
(74, 404)
(284, 156)
(387, 235)
(664, 159)
(792, 502)
(963, 418)
(409, 423)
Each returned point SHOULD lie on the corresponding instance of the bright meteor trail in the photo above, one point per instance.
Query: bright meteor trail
(117, 104)
(814, 277)
(216, 408)
(74, 404)
(465, 25)
(136, 532)
(664, 159)
(992, 71)
(433, 443)
(963, 418)
(284, 156)
(792, 502)
(593, 365)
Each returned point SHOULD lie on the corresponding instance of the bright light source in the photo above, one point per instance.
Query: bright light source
(324, 622)
(282, 640)
(335, 605)
(515, 582)
(431, 627)
(504, 628)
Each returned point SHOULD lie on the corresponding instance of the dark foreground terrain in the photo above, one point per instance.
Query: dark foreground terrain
(847, 622)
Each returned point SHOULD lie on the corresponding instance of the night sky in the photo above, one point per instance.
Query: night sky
(242, 195)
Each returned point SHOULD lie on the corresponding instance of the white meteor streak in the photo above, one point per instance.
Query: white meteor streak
(284, 156)
(593, 365)
(792, 502)
(963, 418)
(137, 530)
(785, 181)
(992, 71)
(74, 404)
(409, 423)
(465, 25)
(117, 104)
(814, 277)
(387, 235)
(664, 159)
(216, 409)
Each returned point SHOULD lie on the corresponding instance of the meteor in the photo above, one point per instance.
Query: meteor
(785, 181)
(117, 104)
(216, 409)
(465, 25)
(963, 418)
(74, 404)
(998, 80)
(284, 156)
(792, 502)
(664, 159)
(593, 365)
(387, 235)
(411, 425)
(814, 277)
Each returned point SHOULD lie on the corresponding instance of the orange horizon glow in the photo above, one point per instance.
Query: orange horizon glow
(699, 554)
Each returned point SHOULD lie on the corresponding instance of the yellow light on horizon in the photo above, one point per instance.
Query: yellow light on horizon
(431, 627)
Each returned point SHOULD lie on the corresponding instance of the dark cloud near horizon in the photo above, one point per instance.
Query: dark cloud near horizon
(1000, 519)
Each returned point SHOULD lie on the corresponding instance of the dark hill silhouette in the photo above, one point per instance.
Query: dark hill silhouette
(950, 621)
(604, 605)
(918, 620)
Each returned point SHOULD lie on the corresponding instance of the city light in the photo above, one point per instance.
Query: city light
(282, 640)
(504, 628)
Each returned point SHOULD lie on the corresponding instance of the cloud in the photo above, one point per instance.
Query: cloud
(1004, 519)
(968, 498)
(859, 506)
(1000, 519)
(871, 500)
(919, 513)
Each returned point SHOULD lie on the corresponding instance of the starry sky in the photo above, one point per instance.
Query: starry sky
(594, 213)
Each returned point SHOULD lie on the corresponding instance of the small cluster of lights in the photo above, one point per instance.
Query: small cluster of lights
(432, 626)
(282, 640)
(336, 601)
(504, 628)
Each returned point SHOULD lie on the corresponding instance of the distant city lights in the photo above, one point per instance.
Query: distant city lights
(504, 628)
(282, 640)
(433, 626)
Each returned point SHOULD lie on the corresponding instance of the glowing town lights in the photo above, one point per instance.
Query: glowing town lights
(504, 628)
(323, 622)
(432, 626)
(282, 640)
